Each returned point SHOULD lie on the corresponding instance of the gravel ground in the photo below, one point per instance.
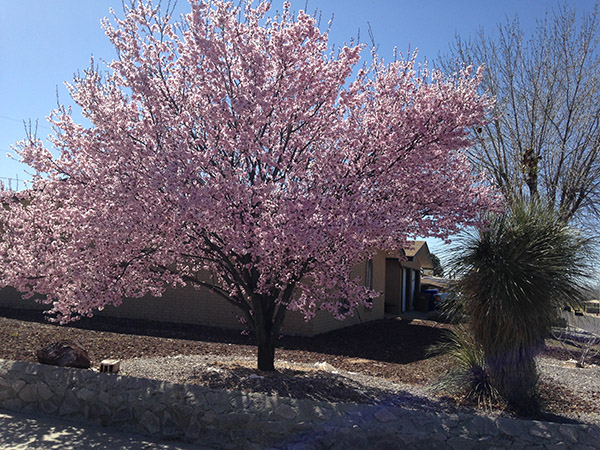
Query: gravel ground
(581, 383)
(585, 380)
(319, 381)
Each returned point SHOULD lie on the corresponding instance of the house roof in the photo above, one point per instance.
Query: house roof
(441, 283)
(419, 251)
(416, 247)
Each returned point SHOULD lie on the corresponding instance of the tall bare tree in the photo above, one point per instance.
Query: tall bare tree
(544, 137)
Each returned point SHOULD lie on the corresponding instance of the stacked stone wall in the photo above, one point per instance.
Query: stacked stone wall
(230, 419)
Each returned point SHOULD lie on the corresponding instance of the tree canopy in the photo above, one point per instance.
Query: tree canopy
(438, 269)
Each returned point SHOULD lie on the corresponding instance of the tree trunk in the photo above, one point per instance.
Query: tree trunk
(266, 320)
(266, 350)
(514, 374)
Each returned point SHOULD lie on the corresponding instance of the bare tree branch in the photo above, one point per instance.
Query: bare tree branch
(544, 137)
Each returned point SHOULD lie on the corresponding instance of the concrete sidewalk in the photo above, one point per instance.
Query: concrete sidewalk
(32, 431)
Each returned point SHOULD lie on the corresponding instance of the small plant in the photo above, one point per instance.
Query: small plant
(469, 376)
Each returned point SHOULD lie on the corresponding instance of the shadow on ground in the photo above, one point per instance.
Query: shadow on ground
(392, 340)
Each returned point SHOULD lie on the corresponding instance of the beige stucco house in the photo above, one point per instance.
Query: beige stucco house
(398, 280)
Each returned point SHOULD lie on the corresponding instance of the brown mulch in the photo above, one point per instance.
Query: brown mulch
(396, 350)
(393, 349)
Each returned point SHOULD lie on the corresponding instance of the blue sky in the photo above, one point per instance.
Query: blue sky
(44, 42)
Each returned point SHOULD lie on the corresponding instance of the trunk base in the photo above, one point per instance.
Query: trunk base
(266, 356)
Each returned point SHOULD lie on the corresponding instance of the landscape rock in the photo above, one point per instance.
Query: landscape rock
(150, 422)
(64, 354)
(29, 393)
(384, 415)
(285, 411)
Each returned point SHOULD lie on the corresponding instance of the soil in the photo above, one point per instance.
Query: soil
(393, 350)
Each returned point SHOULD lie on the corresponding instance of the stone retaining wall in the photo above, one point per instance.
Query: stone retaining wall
(224, 419)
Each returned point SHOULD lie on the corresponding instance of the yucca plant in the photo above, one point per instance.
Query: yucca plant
(515, 275)
(468, 376)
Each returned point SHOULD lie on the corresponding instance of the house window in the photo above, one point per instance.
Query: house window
(369, 274)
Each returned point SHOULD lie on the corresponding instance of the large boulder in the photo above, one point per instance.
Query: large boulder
(64, 354)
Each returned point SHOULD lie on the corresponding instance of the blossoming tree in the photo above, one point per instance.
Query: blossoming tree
(237, 143)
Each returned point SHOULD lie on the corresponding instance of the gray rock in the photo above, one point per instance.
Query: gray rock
(353, 440)
(12, 404)
(449, 423)
(587, 438)
(301, 446)
(5, 393)
(44, 391)
(157, 406)
(170, 428)
(29, 393)
(322, 413)
(388, 445)
(511, 427)
(108, 399)
(234, 420)
(193, 431)
(32, 369)
(100, 411)
(438, 436)
(85, 394)
(209, 417)
(594, 431)
(480, 426)
(241, 402)
(272, 428)
(286, 411)
(150, 422)
(558, 446)
(384, 415)
(182, 413)
(134, 383)
(213, 397)
(17, 385)
(48, 407)
(568, 432)
(540, 430)
(53, 375)
(461, 443)
(123, 414)
(69, 406)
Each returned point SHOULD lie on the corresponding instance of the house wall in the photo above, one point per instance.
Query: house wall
(10, 298)
(325, 321)
(181, 305)
(203, 307)
(405, 283)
